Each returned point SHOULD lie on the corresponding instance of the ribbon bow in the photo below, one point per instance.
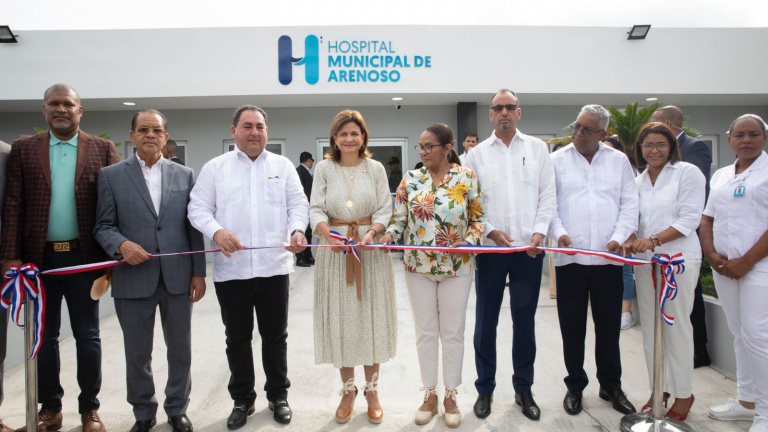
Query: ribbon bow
(670, 266)
(23, 282)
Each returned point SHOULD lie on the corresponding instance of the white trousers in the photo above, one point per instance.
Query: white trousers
(745, 303)
(678, 338)
(439, 305)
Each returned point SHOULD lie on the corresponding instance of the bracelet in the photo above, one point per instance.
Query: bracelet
(374, 231)
(655, 240)
(298, 230)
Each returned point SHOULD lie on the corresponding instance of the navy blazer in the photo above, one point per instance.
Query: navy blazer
(697, 152)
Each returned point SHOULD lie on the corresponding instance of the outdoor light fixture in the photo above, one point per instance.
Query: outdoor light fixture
(397, 99)
(638, 31)
(129, 103)
(652, 99)
(6, 35)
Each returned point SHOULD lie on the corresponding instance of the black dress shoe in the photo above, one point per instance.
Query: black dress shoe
(483, 406)
(282, 411)
(572, 402)
(530, 409)
(239, 415)
(144, 425)
(618, 399)
(180, 423)
(701, 360)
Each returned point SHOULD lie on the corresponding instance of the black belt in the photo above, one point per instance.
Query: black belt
(63, 246)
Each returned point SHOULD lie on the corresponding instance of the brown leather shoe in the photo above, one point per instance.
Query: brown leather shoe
(47, 420)
(5, 428)
(92, 422)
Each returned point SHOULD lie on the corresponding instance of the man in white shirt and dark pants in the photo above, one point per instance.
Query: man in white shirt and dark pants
(518, 185)
(251, 197)
(597, 208)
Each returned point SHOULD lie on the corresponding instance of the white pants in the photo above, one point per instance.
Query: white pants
(745, 303)
(678, 338)
(439, 305)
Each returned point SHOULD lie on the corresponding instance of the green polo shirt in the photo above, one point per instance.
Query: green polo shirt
(62, 219)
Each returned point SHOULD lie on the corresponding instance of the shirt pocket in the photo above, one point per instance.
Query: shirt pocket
(531, 173)
(275, 193)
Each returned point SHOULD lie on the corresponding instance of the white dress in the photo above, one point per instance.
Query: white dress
(351, 332)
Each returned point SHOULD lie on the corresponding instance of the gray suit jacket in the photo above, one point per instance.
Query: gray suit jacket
(125, 212)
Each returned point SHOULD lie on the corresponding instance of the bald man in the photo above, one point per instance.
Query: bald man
(697, 152)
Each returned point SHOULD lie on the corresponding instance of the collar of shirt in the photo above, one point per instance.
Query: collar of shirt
(498, 141)
(760, 163)
(244, 157)
(143, 164)
(52, 140)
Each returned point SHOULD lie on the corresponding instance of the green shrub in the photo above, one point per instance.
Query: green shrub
(707, 283)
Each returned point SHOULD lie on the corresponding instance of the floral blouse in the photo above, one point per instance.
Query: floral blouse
(438, 215)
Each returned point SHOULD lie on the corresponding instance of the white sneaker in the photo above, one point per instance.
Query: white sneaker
(759, 425)
(627, 321)
(732, 410)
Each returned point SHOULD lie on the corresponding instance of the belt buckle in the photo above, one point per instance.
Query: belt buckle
(61, 246)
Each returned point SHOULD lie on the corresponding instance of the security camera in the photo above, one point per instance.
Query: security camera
(397, 106)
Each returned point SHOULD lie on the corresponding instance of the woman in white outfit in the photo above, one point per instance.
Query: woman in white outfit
(671, 201)
(438, 205)
(734, 237)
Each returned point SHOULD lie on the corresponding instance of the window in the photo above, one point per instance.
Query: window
(713, 143)
(273, 146)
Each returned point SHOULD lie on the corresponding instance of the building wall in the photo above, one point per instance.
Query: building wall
(214, 62)
(206, 130)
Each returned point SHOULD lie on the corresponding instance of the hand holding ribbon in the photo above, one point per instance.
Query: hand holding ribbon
(24, 283)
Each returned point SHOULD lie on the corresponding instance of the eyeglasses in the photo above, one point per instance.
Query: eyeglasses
(575, 128)
(427, 149)
(500, 108)
(659, 146)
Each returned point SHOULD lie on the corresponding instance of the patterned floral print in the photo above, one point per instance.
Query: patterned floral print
(438, 215)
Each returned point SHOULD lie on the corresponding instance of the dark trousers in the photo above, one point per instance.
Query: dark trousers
(524, 285)
(137, 320)
(602, 286)
(84, 318)
(699, 323)
(238, 299)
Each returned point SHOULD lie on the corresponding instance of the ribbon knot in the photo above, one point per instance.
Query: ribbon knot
(24, 283)
(354, 268)
(670, 266)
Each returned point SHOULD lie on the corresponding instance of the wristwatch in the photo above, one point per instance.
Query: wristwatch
(299, 231)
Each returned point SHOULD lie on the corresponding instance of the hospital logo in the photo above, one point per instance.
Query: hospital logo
(310, 61)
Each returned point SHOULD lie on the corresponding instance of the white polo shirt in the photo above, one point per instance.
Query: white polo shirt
(739, 221)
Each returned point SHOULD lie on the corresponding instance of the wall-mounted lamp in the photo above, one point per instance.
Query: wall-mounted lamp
(638, 31)
(6, 35)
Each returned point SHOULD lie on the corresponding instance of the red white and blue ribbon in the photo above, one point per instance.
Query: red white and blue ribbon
(22, 285)
(670, 266)
(347, 241)
(352, 248)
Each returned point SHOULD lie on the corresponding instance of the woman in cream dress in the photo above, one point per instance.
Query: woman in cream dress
(355, 315)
